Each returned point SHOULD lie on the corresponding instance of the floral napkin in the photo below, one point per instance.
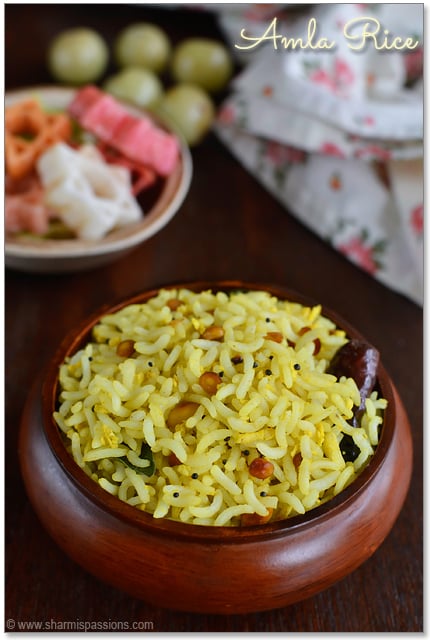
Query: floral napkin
(336, 135)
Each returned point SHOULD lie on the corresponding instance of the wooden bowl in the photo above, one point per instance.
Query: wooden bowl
(210, 569)
(159, 203)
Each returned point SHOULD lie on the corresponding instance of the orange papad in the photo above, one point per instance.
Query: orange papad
(29, 131)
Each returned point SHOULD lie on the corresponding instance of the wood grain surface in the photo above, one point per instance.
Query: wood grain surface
(229, 227)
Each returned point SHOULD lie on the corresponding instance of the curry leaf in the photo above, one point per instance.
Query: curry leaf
(145, 454)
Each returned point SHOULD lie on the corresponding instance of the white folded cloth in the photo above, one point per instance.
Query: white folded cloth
(337, 135)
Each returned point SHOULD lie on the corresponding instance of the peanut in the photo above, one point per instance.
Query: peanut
(174, 303)
(275, 336)
(213, 332)
(297, 460)
(125, 349)
(181, 412)
(261, 468)
(173, 460)
(251, 519)
(209, 382)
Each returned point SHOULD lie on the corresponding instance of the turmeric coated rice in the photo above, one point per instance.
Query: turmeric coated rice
(215, 408)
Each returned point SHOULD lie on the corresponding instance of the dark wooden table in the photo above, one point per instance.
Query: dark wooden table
(229, 227)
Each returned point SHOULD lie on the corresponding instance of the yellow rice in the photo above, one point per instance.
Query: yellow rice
(274, 401)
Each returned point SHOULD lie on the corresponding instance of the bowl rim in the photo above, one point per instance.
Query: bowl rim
(207, 533)
(174, 190)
